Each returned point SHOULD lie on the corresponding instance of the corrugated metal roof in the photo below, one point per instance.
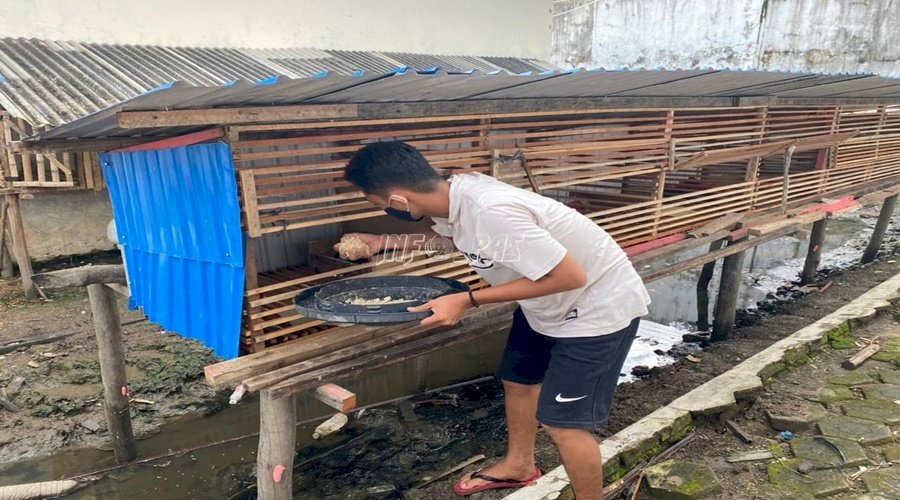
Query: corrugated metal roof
(50, 83)
(440, 85)
(178, 221)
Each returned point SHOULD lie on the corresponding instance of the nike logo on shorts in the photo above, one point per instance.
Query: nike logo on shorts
(561, 399)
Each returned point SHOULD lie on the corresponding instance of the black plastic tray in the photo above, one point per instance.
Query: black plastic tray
(328, 302)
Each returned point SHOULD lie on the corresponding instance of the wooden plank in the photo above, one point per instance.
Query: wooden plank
(227, 116)
(250, 203)
(87, 160)
(7, 139)
(803, 219)
(386, 357)
(725, 222)
(650, 275)
(336, 397)
(409, 334)
(236, 370)
(81, 276)
(38, 146)
(652, 245)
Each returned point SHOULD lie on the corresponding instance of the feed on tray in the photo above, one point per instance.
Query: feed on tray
(352, 248)
(378, 301)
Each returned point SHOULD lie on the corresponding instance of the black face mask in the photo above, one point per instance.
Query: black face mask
(402, 215)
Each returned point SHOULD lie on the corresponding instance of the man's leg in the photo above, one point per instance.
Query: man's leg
(521, 410)
(581, 457)
(576, 396)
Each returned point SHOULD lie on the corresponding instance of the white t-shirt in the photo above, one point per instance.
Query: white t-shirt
(507, 233)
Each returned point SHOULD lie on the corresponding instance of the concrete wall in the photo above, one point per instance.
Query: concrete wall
(518, 28)
(826, 36)
(66, 223)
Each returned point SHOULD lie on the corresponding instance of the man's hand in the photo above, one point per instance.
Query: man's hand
(446, 310)
(356, 246)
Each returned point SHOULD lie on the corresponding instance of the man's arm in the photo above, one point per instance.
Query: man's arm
(447, 310)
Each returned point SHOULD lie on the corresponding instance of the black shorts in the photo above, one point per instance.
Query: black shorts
(578, 375)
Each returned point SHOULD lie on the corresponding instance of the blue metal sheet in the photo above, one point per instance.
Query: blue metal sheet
(178, 220)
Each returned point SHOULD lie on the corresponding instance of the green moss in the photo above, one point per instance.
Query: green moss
(840, 338)
(81, 371)
(59, 407)
(767, 373)
(642, 453)
(795, 357)
(184, 363)
(612, 475)
(775, 448)
(843, 344)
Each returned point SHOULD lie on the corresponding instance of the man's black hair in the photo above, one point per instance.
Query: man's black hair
(382, 166)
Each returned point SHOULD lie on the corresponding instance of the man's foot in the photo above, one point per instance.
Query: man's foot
(501, 475)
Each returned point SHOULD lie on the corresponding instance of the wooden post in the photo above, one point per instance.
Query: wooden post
(884, 220)
(706, 274)
(112, 370)
(277, 442)
(786, 185)
(729, 288)
(17, 231)
(5, 259)
(814, 254)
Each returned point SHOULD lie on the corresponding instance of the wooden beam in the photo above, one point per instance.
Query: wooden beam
(82, 276)
(108, 329)
(177, 141)
(336, 397)
(402, 352)
(650, 275)
(227, 116)
(47, 146)
(653, 244)
(410, 333)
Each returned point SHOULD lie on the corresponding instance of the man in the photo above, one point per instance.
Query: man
(579, 298)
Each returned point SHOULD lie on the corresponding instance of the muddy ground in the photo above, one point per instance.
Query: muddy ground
(384, 452)
(59, 401)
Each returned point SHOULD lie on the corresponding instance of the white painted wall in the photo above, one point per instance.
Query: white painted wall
(66, 223)
(519, 28)
(827, 36)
